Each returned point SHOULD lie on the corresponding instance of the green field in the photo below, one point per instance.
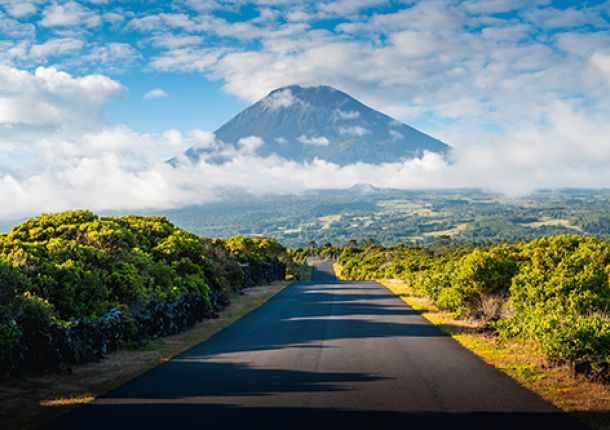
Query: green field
(409, 217)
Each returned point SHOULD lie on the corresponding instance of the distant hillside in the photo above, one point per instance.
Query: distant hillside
(304, 123)
(395, 216)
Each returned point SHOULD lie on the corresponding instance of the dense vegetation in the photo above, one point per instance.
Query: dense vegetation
(553, 291)
(391, 217)
(74, 286)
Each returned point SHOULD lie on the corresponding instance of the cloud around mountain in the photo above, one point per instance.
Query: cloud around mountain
(57, 163)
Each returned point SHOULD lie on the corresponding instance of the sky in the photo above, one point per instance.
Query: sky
(96, 94)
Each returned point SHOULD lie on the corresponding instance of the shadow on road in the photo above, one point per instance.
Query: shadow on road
(219, 379)
(208, 387)
(306, 316)
(324, 272)
(183, 415)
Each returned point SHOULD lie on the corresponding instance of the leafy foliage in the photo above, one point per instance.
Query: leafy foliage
(262, 260)
(73, 286)
(553, 290)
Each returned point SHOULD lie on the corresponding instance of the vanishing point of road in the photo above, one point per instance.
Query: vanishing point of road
(323, 354)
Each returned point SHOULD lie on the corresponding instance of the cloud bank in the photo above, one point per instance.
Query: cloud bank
(73, 158)
(520, 89)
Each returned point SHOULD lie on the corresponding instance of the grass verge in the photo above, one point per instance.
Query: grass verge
(29, 402)
(588, 401)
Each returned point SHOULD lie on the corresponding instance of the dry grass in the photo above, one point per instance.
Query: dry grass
(337, 268)
(555, 223)
(450, 232)
(32, 401)
(589, 401)
(68, 401)
(328, 220)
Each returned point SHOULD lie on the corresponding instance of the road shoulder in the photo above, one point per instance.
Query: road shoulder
(586, 400)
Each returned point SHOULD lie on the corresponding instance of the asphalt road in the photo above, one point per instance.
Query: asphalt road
(323, 354)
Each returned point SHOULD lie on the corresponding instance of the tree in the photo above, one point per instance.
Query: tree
(369, 241)
(352, 243)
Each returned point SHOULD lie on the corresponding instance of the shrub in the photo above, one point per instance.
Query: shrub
(73, 286)
(554, 291)
(481, 274)
(450, 299)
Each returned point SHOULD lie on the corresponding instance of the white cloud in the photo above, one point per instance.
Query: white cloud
(564, 18)
(250, 144)
(354, 131)
(396, 135)
(113, 17)
(203, 139)
(20, 8)
(348, 114)
(494, 6)
(313, 140)
(581, 45)
(55, 47)
(279, 99)
(113, 57)
(186, 59)
(80, 185)
(69, 14)
(428, 63)
(172, 41)
(601, 62)
(345, 7)
(163, 20)
(412, 44)
(16, 29)
(154, 94)
(52, 97)
(202, 5)
(173, 137)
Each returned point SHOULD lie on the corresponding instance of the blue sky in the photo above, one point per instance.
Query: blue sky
(191, 102)
(198, 97)
(519, 88)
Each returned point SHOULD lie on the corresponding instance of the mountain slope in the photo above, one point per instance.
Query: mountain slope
(303, 123)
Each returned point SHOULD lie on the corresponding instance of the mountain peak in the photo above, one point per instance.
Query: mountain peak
(364, 188)
(318, 94)
(302, 123)
(305, 88)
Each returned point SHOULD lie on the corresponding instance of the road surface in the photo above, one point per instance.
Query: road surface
(323, 354)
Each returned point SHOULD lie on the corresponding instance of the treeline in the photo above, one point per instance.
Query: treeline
(552, 291)
(325, 252)
(74, 286)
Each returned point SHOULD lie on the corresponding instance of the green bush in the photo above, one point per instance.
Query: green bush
(554, 291)
(573, 338)
(450, 299)
(262, 260)
(10, 335)
(74, 285)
